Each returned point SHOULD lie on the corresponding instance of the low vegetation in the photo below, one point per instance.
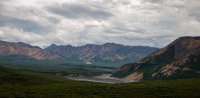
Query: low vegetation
(54, 67)
(17, 83)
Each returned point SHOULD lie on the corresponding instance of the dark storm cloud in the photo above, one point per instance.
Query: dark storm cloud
(26, 25)
(155, 1)
(78, 11)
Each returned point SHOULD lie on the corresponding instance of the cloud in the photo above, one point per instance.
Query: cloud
(26, 25)
(79, 22)
(79, 11)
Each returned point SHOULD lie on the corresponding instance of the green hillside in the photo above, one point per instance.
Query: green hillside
(17, 83)
(54, 67)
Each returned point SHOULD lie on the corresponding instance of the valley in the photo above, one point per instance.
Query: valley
(99, 49)
(87, 60)
(101, 79)
(54, 67)
(22, 75)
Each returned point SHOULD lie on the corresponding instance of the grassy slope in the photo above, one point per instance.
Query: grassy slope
(15, 83)
(63, 67)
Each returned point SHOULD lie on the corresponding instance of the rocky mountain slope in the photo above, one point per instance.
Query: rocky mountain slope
(7, 48)
(109, 52)
(180, 59)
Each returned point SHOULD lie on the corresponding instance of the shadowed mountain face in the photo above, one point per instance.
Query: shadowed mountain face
(7, 48)
(180, 59)
(109, 52)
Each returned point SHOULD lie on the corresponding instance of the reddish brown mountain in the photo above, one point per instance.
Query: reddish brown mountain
(180, 59)
(7, 48)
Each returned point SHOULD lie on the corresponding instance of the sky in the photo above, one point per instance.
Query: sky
(153, 23)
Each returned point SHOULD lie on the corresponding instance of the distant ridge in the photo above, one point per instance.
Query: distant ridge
(108, 52)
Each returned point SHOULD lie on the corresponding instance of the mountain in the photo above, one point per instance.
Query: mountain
(51, 47)
(109, 52)
(8, 48)
(180, 59)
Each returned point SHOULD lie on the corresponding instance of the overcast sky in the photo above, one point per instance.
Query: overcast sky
(78, 22)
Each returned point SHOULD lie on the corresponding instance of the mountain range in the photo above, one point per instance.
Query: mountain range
(179, 59)
(109, 52)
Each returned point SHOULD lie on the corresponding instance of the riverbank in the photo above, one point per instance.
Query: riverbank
(104, 78)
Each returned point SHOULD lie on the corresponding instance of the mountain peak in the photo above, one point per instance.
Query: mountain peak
(185, 39)
(52, 46)
(27, 45)
(189, 37)
(111, 43)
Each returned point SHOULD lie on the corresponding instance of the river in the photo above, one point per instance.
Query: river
(104, 78)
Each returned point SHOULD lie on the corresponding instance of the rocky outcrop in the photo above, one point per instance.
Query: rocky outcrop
(134, 76)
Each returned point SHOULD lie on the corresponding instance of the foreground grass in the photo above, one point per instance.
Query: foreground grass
(25, 84)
